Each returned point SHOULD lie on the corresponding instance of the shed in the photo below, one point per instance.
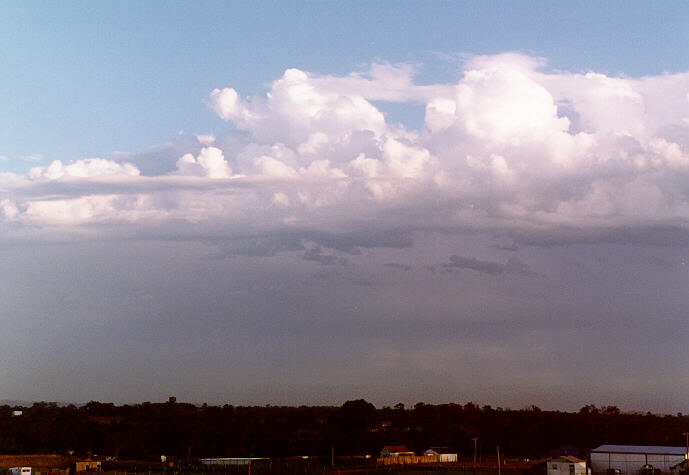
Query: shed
(630, 459)
(566, 465)
(444, 454)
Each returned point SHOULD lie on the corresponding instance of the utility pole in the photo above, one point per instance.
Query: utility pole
(474, 439)
(499, 473)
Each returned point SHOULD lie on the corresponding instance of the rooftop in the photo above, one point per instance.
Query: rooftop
(396, 448)
(641, 449)
(443, 450)
(568, 458)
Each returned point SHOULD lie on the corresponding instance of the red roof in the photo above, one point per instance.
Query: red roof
(396, 448)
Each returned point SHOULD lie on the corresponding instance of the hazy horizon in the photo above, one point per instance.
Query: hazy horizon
(407, 406)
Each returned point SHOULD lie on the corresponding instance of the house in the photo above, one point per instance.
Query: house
(395, 451)
(88, 465)
(444, 454)
(635, 459)
(565, 465)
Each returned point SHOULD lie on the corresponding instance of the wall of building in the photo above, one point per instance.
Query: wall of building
(630, 464)
(562, 467)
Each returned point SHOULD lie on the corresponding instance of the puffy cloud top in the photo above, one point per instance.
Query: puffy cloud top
(210, 163)
(296, 108)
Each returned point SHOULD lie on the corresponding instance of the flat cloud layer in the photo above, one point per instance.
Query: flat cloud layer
(508, 148)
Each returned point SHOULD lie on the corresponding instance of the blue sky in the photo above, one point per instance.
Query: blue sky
(309, 202)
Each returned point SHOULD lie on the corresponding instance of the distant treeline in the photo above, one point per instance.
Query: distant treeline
(182, 431)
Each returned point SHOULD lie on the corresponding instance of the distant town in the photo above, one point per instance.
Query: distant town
(174, 437)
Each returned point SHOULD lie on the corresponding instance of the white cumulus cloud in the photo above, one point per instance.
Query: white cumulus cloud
(86, 168)
(509, 146)
(210, 163)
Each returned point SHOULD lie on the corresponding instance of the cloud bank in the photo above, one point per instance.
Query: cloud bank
(510, 148)
(416, 263)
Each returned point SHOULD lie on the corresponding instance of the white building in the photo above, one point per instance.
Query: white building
(566, 465)
(444, 454)
(629, 459)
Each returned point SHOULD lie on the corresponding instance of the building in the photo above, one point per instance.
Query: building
(631, 459)
(566, 465)
(88, 465)
(395, 451)
(444, 454)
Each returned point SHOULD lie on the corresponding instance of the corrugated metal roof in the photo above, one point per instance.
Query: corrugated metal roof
(641, 449)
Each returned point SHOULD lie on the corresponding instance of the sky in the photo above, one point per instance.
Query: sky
(295, 203)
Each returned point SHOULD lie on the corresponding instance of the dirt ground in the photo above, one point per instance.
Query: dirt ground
(37, 462)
